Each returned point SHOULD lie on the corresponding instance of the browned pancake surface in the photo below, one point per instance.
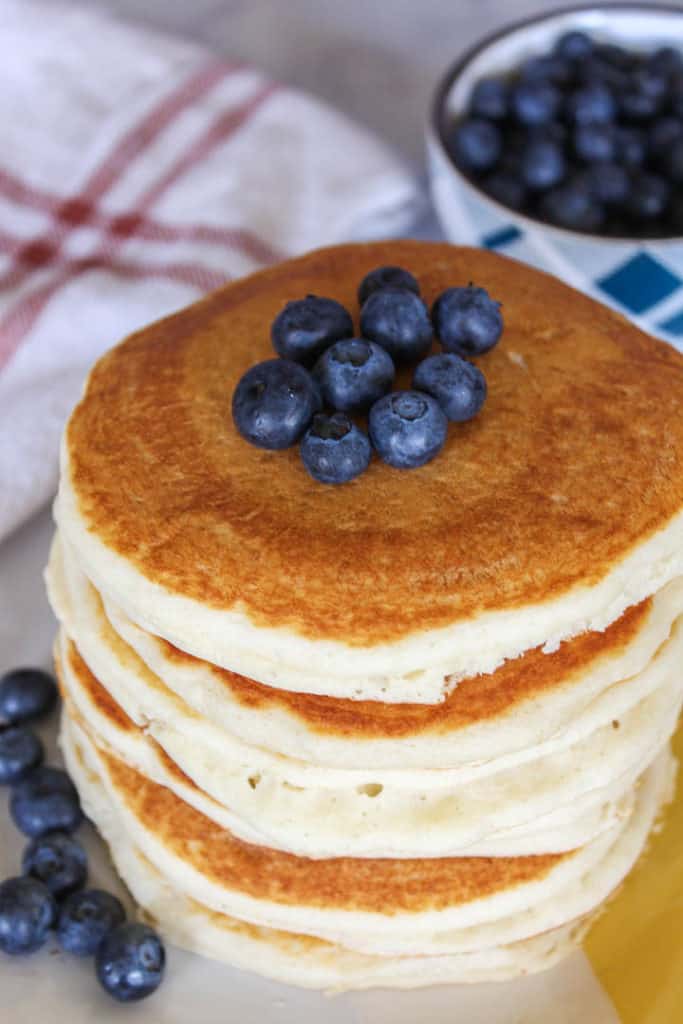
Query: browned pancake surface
(381, 885)
(576, 457)
(473, 700)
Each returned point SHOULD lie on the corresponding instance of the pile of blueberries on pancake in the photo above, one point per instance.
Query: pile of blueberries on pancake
(50, 895)
(587, 137)
(280, 402)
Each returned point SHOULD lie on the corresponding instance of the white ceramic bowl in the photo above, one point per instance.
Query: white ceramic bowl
(642, 278)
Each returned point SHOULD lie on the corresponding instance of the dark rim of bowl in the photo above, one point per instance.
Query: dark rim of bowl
(439, 122)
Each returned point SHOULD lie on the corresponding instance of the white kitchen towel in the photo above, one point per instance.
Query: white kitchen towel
(136, 173)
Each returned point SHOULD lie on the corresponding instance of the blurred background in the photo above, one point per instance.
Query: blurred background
(377, 62)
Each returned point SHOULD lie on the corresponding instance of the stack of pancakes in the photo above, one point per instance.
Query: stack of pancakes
(409, 730)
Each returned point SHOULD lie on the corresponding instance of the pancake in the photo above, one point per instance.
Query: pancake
(382, 907)
(554, 801)
(537, 699)
(549, 515)
(296, 959)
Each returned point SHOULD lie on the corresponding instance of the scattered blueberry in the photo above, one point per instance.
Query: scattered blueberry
(535, 102)
(467, 321)
(458, 386)
(649, 197)
(46, 801)
(130, 962)
(490, 99)
(86, 918)
(407, 428)
(543, 164)
(58, 860)
(306, 327)
(25, 694)
(397, 320)
(353, 374)
(274, 402)
(334, 450)
(386, 277)
(572, 206)
(20, 752)
(595, 142)
(593, 104)
(476, 144)
(27, 913)
(574, 45)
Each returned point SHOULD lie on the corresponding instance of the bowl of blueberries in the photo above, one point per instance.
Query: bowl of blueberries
(559, 141)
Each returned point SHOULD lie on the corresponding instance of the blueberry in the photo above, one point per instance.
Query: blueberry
(631, 147)
(596, 70)
(26, 693)
(386, 277)
(672, 163)
(666, 61)
(130, 962)
(594, 142)
(399, 322)
(274, 402)
(553, 68)
(616, 56)
(46, 801)
(572, 206)
(20, 752)
(407, 428)
(543, 164)
(353, 374)
(334, 450)
(27, 913)
(306, 327)
(649, 197)
(85, 918)
(592, 104)
(476, 144)
(458, 386)
(489, 99)
(58, 860)
(638, 106)
(676, 97)
(663, 134)
(467, 321)
(574, 45)
(535, 102)
(608, 182)
(506, 188)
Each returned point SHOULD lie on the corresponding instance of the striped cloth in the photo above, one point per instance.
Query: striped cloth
(136, 173)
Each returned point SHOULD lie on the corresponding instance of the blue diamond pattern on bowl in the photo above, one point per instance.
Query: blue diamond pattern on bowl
(499, 239)
(640, 283)
(674, 325)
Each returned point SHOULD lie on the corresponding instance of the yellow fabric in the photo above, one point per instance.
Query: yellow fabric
(636, 947)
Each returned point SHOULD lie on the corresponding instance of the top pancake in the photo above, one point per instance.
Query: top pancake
(575, 462)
